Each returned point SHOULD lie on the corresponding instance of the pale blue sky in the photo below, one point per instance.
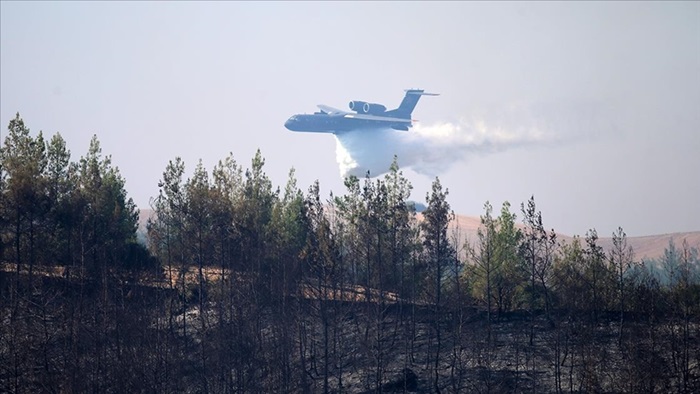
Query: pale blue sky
(617, 83)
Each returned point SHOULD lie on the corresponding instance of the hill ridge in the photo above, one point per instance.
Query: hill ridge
(644, 246)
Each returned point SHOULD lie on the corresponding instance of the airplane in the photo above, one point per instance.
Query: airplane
(365, 116)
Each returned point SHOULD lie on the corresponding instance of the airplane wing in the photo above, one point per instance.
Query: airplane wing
(377, 118)
(331, 110)
(335, 111)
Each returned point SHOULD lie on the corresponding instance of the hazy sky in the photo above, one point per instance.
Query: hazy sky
(613, 89)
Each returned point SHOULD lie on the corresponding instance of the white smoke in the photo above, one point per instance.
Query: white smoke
(433, 149)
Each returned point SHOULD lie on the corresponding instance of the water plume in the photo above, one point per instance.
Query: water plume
(433, 149)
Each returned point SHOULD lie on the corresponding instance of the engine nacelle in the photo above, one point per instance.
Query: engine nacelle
(357, 105)
(364, 107)
(373, 109)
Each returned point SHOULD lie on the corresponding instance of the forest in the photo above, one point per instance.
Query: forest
(242, 286)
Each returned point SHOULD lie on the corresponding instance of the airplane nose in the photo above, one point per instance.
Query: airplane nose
(289, 124)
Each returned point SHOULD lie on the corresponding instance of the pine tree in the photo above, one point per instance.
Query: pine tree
(439, 254)
(621, 257)
(24, 162)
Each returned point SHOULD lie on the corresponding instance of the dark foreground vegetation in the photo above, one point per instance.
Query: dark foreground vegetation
(242, 287)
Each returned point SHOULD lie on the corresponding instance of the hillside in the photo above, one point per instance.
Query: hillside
(645, 247)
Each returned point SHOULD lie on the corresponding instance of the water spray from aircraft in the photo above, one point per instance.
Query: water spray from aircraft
(433, 149)
(428, 150)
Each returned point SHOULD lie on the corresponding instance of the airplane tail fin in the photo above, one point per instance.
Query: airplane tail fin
(409, 103)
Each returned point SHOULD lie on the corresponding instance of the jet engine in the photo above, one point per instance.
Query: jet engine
(367, 108)
(374, 109)
(357, 105)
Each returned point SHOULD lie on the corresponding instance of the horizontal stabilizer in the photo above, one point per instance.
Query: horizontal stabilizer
(421, 93)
